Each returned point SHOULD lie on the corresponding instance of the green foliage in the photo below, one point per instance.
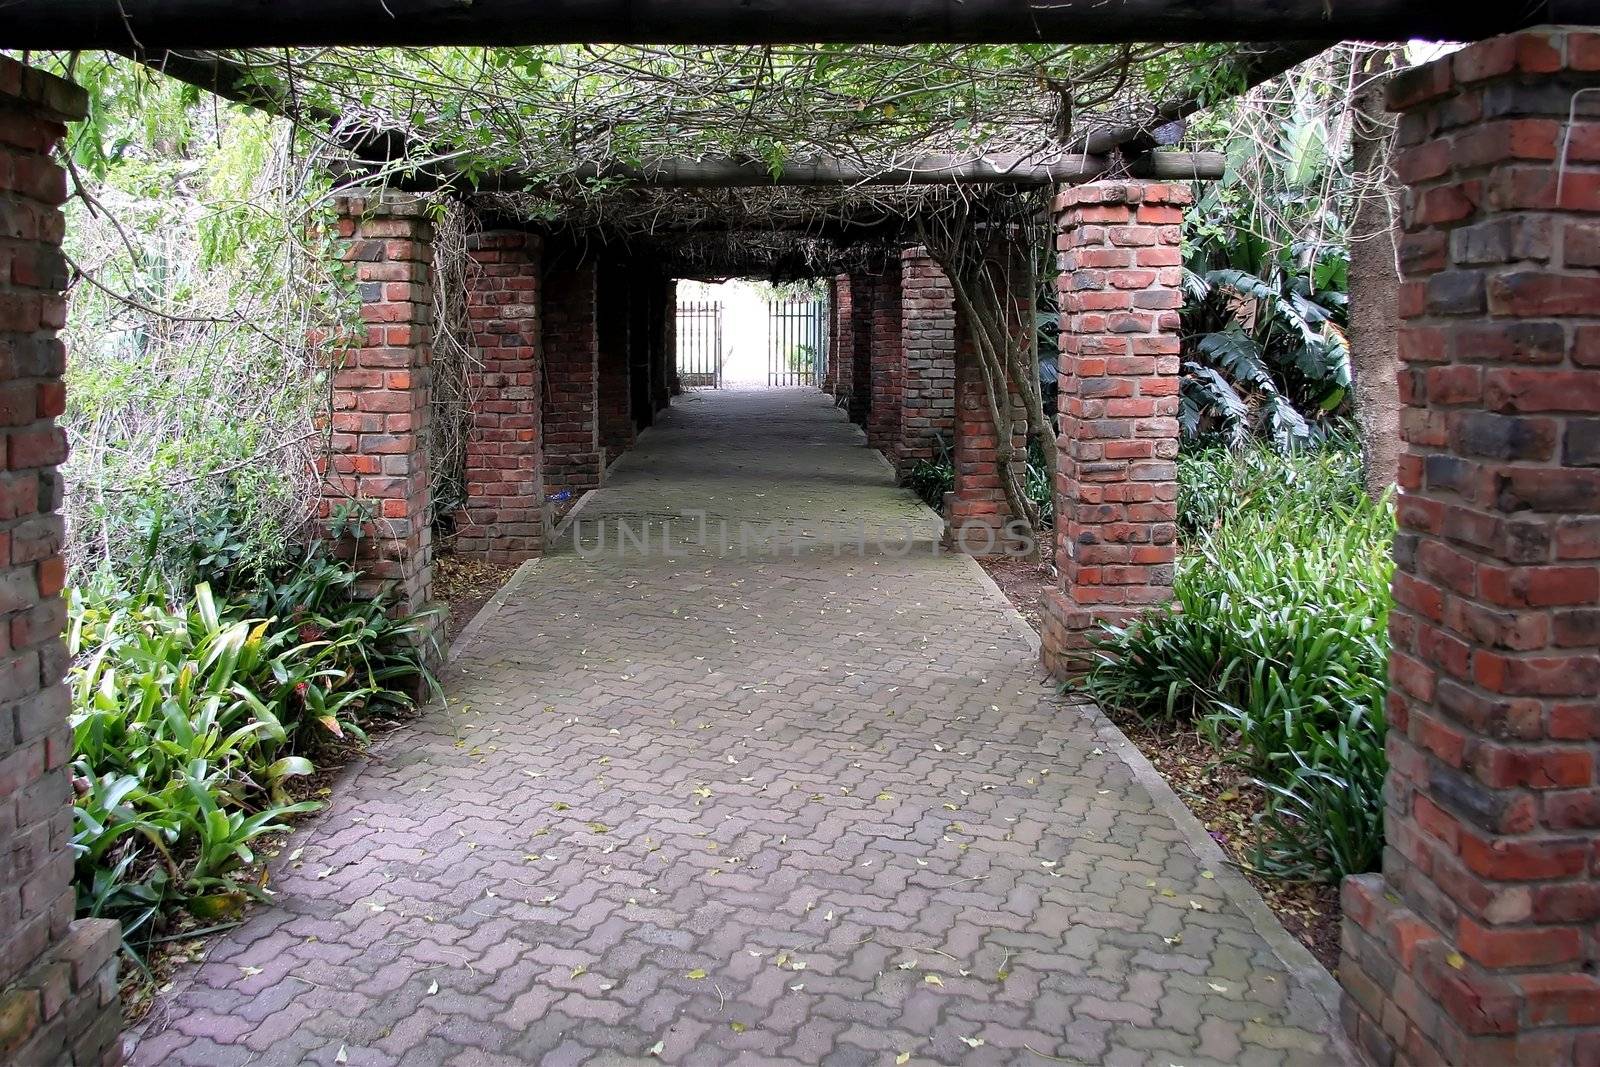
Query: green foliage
(931, 479)
(1265, 278)
(190, 720)
(1264, 348)
(202, 246)
(1276, 647)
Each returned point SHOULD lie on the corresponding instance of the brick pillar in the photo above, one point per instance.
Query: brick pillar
(1116, 492)
(830, 373)
(504, 516)
(1478, 943)
(616, 416)
(663, 340)
(58, 976)
(669, 337)
(976, 510)
(888, 364)
(928, 348)
(382, 390)
(573, 460)
(640, 361)
(842, 342)
(863, 306)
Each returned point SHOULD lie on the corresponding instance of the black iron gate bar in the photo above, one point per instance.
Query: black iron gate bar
(700, 344)
(797, 341)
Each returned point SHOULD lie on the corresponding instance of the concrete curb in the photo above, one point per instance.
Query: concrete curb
(470, 631)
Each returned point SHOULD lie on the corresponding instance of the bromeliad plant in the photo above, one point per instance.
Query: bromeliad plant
(191, 720)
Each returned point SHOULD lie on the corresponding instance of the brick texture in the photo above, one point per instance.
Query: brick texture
(888, 364)
(863, 311)
(573, 460)
(928, 346)
(612, 335)
(58, 977)
(1116, 486)
(504, 518)
(382, 387)
(1478, 942)
(841, 376)
(976, 510)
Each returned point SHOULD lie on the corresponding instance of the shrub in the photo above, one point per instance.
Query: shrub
(191, 719)
(1276, 647)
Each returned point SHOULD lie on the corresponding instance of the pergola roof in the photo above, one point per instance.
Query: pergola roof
(825, 149)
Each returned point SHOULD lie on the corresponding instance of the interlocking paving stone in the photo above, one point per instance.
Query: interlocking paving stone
(698, 760)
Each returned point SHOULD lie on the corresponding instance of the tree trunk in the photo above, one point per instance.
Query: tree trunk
(1374, 276)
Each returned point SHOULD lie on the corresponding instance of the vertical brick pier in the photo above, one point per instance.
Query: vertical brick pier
(976, 510)
(928, 369)
(58, 975)
(382, 392)
(504, 517)
(611, 335)
(888, 364)
(1479, 942)
(574, 462)
(1116, 483)
(841, 375)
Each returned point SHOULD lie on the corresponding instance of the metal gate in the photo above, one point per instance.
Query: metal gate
(797, 341)
(700, 344)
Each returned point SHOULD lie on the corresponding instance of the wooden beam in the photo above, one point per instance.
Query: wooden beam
(158, 24)
(930, 170)
(1254, 68)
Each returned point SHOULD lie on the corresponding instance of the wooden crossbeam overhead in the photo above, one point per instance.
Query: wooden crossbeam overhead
(157, 24)
(929, 170)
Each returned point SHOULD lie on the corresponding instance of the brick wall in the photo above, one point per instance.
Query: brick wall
(58, 977)
(831, 371)
(573, 460)
(504, 519)
(928, 345)
(1479, 941)
(1116, 490)
(888, 364)
(616, 415)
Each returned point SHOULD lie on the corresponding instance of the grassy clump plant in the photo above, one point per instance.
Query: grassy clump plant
(192, 717)
(1276, 646)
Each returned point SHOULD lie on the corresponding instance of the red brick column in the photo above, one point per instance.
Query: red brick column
(504, 519)
(976, 510)
(928, 367)
(663, 340)
(1116, 493)
(58, 977)
(640, 361)
(863, 309)
(842, 342)
(1478, 943)
(382, 390)
(830, 374)
(573, 460)
(616, 415)
(888, 365)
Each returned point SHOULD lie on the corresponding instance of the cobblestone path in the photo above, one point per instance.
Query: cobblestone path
(790, 804)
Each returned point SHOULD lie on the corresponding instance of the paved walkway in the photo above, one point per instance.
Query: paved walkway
(788, 805)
